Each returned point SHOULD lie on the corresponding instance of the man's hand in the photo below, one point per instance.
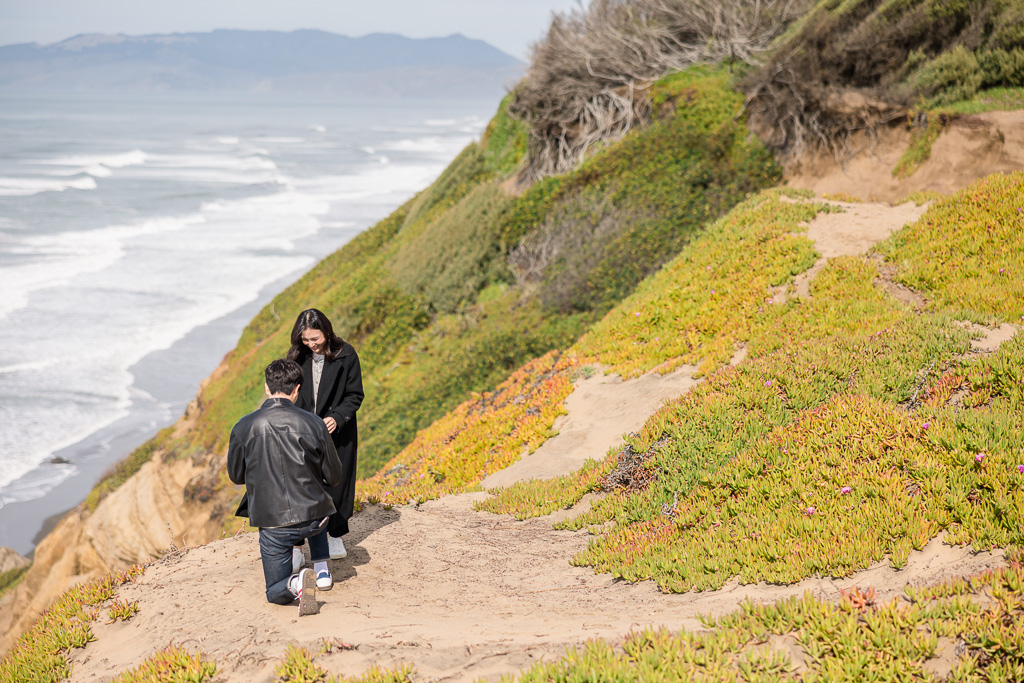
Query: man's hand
(331, 424)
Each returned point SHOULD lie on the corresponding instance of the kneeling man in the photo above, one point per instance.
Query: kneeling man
(286, 459)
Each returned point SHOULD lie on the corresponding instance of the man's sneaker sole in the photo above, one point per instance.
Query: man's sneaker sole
(307, 593)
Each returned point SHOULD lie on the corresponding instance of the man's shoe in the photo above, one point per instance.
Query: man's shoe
(307, 593)
(337, 547)
(324, 580)
(297, 559)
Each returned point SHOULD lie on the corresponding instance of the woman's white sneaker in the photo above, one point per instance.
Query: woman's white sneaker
(337, 547)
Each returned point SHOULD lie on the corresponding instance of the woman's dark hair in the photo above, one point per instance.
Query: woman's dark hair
(283, 376)
(312, 319)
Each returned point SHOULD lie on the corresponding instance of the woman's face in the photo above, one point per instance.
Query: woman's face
(315, 340)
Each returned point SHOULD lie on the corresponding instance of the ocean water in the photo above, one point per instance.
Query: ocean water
(139, 234)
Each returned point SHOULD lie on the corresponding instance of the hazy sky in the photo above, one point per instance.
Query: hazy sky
(510, 25)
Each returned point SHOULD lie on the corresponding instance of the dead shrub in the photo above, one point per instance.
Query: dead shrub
(860, 65)
(588, 77)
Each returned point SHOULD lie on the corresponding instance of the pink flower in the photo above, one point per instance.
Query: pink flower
(809, 511)
(926, 425)
(637, 314)
(768, 383)
(1020, 468)
(1002, 270)
(846, 489)
(979, 457)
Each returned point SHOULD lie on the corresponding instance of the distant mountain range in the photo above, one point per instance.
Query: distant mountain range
(306, 61)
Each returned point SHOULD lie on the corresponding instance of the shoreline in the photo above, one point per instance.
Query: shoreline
(165, 382)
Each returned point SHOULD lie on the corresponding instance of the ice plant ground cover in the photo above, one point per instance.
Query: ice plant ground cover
(488, 433)
(39, 654)
(854, 413)
(467, 282)
(855, 639)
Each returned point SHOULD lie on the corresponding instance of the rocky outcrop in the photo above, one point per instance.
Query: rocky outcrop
(10, 559)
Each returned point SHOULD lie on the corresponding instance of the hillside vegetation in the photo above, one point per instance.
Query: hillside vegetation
(649, 236)
(466, 282)
(851, 66)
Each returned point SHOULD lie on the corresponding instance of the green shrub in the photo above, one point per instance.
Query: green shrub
(950, 77)
(10, 579)
(1002, 68)
(450, 260)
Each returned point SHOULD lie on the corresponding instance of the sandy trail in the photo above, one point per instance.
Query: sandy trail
(599, 412)
(460, 594)
(463, 594)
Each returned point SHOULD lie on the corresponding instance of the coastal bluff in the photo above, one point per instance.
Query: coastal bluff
(151, 513)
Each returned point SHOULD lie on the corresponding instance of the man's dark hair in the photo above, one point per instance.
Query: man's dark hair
(283, 376)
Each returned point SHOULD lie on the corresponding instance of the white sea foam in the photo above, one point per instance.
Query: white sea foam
(21, 187)
(440, 122)
(131, 289)
(61, 257)
(428, 145)
(132, 158)
(280, 140)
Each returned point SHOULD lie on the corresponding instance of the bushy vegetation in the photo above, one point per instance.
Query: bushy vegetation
(856, 639)
(854, 65)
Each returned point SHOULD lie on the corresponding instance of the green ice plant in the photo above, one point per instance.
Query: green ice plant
(170, 665)
(40, 653)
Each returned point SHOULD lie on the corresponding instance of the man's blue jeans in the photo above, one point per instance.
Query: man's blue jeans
(276, 553)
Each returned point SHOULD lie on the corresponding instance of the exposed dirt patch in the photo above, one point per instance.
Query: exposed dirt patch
(887, 280)
(601, 410)
(851, 231)
(991, 338)
(969, 149)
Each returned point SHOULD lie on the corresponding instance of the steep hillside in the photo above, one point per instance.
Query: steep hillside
(478, 310)
(864, 450)
(445, 297)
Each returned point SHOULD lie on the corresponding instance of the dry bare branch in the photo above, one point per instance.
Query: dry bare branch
(588, 78)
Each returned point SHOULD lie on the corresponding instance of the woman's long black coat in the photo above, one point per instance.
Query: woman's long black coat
(339, 396)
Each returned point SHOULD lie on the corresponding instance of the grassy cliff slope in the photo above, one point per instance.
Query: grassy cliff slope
(438, 309)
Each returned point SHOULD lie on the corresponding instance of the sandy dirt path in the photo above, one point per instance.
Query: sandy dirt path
(461, 594)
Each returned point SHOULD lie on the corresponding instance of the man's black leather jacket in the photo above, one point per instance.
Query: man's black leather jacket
(285, 457)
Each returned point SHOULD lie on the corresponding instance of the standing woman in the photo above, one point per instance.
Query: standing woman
(332, 388)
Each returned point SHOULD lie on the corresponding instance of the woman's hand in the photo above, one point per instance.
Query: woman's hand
(331, 424)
